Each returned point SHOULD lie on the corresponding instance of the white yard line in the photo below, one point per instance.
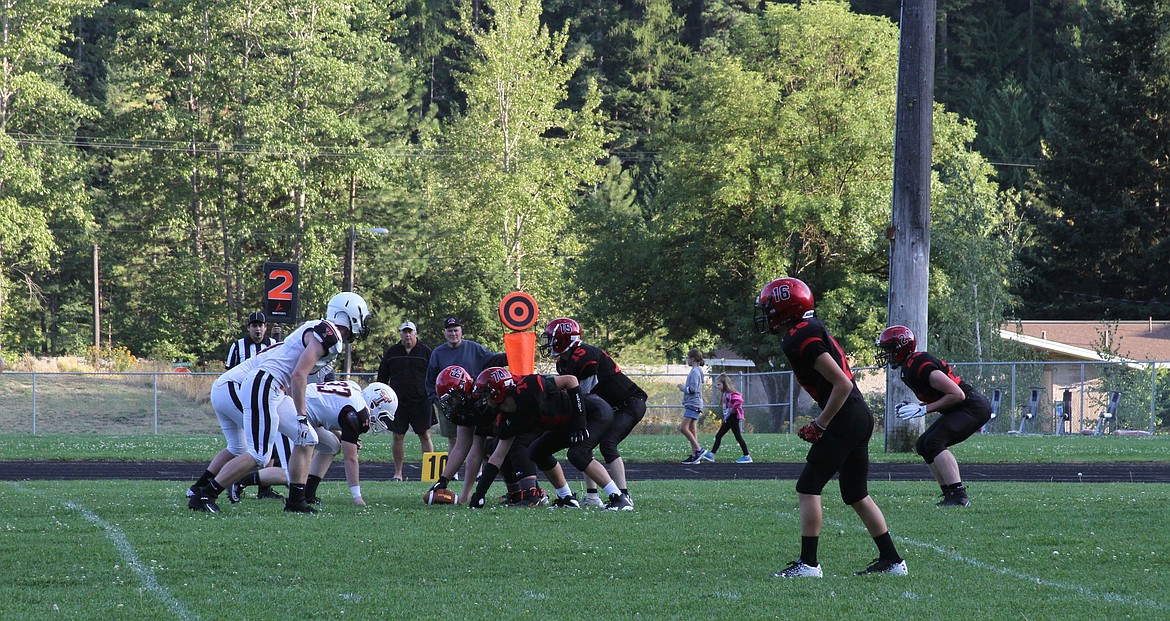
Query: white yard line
(1104, 596)
(145, 574)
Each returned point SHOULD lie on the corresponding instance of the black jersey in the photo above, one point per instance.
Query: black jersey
(803, 344)
(916, 375)
(540, 405)
(585, 361)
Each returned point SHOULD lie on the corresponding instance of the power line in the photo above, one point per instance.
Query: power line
(281, 150)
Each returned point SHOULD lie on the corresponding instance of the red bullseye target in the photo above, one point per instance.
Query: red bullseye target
(518, 311)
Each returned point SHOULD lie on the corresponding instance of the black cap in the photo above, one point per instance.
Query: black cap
(452, 322)
(256, 317)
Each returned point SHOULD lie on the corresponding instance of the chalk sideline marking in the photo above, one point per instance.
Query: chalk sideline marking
(145, 575)
(1012, 573)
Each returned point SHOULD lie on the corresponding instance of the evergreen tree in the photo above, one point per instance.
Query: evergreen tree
(1099, 197)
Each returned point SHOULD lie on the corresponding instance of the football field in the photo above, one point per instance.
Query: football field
(116, 549)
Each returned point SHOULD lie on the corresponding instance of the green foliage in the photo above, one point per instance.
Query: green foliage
(517, 160)
(1099, 196)
(42, 178)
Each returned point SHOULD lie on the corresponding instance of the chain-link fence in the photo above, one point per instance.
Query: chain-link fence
(1033, 397)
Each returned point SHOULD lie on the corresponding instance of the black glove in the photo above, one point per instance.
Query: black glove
(441, 483)
(578, 427)
(578, 430)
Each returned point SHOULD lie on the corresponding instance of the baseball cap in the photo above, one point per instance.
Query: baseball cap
(452, 322)
(407, 325)
(256, 317)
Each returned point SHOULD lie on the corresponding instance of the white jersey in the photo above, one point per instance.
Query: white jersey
(280, 361)
(324, 403)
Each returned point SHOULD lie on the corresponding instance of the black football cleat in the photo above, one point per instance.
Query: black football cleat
(235, 492)
(268, 492)
(299, 507)
(955, 498)
(202, 502)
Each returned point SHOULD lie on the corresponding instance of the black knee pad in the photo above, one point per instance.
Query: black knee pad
(609, 451)
(580, 456)
(929, 446)
(853, 490)
(544, 462)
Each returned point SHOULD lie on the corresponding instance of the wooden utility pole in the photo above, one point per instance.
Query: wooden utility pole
(909, 231)
(97, 302)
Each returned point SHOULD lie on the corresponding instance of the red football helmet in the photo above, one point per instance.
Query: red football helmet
(782, 302)
(561, 335)
(494, 384)
(453, 380)
(895, 344)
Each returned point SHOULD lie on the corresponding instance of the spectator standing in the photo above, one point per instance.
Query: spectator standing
(692, 402)
(732, 418)
(252, 344)
(404, 368)
(460, 352)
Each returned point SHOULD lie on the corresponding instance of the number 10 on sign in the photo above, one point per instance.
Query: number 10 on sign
(433, 465)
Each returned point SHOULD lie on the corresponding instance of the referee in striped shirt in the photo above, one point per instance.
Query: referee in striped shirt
(240, 351)
(250, 345)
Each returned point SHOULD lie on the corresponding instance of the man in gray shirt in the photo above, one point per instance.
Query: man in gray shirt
(462, 352)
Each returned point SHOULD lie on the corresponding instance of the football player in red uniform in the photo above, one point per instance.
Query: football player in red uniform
(594, 367)
(475, 426)
(839, 434)
(554, 405)
(964, 410)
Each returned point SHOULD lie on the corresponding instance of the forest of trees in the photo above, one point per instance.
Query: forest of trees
(642, 165)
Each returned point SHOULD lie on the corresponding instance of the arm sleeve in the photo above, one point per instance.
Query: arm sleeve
(496, 360)
(432, 375)
(384, 368)
(233, 357)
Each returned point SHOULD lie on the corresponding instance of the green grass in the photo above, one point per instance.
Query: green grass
(691, 550)
(982, 448)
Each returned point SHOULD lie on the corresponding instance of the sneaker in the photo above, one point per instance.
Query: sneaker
(268, 492)
(693, 458)
(797, 569)
(880, 566)
(191, 491)
(746, 459)
(707, 456)
(202, 502)
(619, 502)
(568, 502)
(955, 498)
(592, 500)
(531, 497)
(512, 498)
(313, 500)
(298, 507)
(235, 492)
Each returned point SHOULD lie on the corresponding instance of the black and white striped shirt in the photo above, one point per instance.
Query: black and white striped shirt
(245, 348)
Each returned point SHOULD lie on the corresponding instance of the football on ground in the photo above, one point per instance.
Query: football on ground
(440, 497)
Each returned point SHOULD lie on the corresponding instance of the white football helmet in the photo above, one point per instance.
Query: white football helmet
(383, 403)
(348, 309)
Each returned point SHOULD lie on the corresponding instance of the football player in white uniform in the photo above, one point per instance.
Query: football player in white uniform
(281, 371)
(340, 412)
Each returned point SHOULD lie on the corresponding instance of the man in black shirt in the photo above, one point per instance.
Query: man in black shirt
(404, 368)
